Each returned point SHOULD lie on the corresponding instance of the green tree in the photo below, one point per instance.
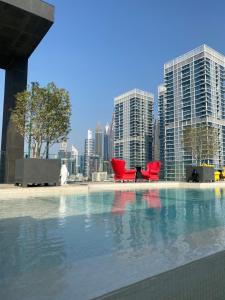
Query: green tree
(42, 116)
(201, 142)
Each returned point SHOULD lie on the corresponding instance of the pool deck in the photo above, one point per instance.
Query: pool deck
(12, 191)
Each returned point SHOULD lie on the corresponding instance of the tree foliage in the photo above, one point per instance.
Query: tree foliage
(201, 142)
(42, 115)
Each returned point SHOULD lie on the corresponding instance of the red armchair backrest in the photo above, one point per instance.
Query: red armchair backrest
(155, 165)
(118, 166)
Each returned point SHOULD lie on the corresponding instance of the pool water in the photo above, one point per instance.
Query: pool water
(82, 246)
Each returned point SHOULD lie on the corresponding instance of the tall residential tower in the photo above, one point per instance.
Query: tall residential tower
(107, 143)
(133, 127)
(99, 141)
(88, 153)
(193, 94)
(155, 140)
(161, 108)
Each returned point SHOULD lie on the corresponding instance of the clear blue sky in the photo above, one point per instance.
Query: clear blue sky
(98, 49)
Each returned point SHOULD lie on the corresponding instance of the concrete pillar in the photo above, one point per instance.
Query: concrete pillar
(12, 143)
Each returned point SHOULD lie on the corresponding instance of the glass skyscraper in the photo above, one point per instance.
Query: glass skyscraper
(88, 153)
(161, 108)
(133, 127)
(155, 140)
(192, 94)
(107, 143)
(99, 141)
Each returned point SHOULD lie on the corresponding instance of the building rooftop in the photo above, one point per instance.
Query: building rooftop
(198, 50)
(134, 91)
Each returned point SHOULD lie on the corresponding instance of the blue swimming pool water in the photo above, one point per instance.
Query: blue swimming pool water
(82, 246)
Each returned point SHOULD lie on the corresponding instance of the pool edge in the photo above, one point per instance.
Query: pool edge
(11, 191)
(202, 279)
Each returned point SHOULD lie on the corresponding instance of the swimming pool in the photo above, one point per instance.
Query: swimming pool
(82, 246)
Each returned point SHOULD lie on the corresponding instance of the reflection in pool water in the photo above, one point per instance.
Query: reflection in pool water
(70, 247)
(121, 198)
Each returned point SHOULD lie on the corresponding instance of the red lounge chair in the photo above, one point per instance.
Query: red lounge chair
(152, 172)
(120, 173)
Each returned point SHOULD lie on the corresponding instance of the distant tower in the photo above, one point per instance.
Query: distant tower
(62, 154)
(161, 108)
(111, 139)
(99, 141)
(106, 142)
(74, 151)
(63, 146)
(88, 152)
(74, 156)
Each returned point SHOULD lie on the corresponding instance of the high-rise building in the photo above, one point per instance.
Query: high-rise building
(73, 162)
(107, 142)
(99, 151)
(88, 152)
(81, 164)
(99, 141)
(111, 139)
(95, 164)
(63, 146)
(161, 108)
(155, 141)
(133, 127)
(194, 84)
(71, 158)
(62, 150)
(107, 147)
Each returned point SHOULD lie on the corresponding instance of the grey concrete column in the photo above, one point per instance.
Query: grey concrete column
(12, 142)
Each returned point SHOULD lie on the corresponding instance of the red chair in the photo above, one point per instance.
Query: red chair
(120, 173)
(152, 172)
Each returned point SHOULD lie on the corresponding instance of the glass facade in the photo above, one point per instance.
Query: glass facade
(194, 94)
(133, 128)
(161, 108)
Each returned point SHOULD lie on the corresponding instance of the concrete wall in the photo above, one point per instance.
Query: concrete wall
(12, 143)
(37, 7)
(23, 24)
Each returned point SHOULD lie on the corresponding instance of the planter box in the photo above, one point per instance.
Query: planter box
(206, 174)
(37, 171)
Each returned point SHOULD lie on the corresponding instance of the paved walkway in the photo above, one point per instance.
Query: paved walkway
(12, 191)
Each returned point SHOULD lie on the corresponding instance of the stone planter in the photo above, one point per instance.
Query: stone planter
(35, 171)
(205, 174)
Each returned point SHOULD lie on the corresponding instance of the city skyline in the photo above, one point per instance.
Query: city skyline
(161, 91)
(91, 52)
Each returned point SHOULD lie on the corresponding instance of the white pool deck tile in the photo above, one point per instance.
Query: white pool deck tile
(11, 191)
